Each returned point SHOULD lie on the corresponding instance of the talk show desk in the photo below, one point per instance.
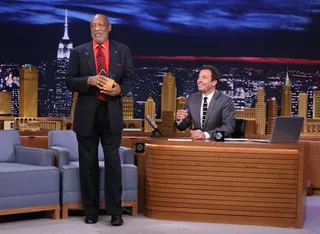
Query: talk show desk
(226, 182)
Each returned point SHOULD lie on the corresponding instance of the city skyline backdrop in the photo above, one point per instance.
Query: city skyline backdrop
(251, 42)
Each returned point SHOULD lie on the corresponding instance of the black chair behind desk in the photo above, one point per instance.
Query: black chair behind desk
(240, 129)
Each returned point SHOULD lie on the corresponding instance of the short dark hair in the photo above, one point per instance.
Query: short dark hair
(214, 72)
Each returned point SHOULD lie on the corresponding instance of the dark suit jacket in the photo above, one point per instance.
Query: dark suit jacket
(81, 66)
(221, 114)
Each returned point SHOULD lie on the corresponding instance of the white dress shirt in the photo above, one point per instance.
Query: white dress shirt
(209, 97)
(207, 135)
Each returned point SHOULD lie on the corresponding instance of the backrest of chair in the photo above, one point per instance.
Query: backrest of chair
(8, 140)
(66, 139)
(240, 129)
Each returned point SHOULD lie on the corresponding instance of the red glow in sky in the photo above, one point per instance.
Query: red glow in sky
(264, 60)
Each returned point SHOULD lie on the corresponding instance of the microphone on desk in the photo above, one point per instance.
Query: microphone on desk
(218, 136)
(153, 125)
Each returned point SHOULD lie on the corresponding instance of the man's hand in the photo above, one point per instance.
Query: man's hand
(115, 91)
(198, 135)
(98, 81)
(181, 114)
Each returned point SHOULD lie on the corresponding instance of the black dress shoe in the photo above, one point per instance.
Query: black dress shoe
(116, 220)
(91, 219)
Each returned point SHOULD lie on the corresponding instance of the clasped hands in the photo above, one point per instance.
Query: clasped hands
(105, 85)
(196, 134)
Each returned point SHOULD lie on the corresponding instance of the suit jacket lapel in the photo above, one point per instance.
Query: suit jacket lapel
(196, 104)
(90, 56)
(211, 105)
(112, 57)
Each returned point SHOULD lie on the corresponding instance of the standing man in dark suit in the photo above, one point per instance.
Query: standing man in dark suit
(209, 109)
(98, 115)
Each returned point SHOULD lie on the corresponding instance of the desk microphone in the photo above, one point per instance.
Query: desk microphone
(153, 125)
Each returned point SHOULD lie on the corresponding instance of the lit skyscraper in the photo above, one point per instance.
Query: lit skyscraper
(43, 90)
(9, 82)
(316, 104)
(149, 109)
(63, 99)
(260, 113)
(286, 98)
(28, 103)
(127, 107)
(5, 103)
(303, 109)
(272, 114)
(168, 93)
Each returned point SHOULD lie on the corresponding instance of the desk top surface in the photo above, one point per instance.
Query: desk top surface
(211, 143)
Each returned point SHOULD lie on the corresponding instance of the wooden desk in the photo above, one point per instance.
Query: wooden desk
(313, 165)
(238, 183)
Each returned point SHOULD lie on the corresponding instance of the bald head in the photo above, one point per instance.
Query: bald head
(101, 17)
(100, 28)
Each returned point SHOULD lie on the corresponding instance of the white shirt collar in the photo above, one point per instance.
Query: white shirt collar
(208, 96)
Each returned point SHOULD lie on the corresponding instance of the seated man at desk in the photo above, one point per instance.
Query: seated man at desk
(209, 109)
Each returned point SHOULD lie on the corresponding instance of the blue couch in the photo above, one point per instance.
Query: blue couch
(64, 145)
(28, 181)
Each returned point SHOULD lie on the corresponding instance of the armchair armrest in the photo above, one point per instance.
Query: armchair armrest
(126, 155)
(62, 155)
(33, 156)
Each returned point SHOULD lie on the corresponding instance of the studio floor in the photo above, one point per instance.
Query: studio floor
(39, 224)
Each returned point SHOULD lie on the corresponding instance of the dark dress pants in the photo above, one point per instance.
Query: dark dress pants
(89, 165)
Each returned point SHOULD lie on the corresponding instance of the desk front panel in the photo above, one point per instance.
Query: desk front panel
(225, 183)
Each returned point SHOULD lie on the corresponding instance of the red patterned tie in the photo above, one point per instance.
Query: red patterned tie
(101, 64)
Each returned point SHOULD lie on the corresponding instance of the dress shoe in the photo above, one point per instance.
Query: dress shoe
(116, 220)
(91, 219)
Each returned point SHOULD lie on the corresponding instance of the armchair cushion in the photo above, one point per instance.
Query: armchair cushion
(33, 156)
(28, 185)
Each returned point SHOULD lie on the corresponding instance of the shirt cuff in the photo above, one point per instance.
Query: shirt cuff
(207, 135)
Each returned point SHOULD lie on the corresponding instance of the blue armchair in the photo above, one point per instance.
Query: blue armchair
(64, 146)
(28, 181)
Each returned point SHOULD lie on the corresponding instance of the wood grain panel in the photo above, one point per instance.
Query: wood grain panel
(218, 198)
(226, 194)
(227, 159)
(222, 212)
(229, 219)
(315, 164)
(226, 207)
(209, 173)
(222, 188)
(230, 184)
(219, 202)
(158, 160)
(246, 181)
(222, 178)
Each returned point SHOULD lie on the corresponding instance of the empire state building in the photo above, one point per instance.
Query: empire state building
(286, 98)
(63, 99)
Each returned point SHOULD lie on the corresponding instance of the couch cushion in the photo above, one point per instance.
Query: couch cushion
(19, 179)
(8, 139)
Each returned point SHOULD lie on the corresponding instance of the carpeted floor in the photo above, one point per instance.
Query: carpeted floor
(38, 224)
